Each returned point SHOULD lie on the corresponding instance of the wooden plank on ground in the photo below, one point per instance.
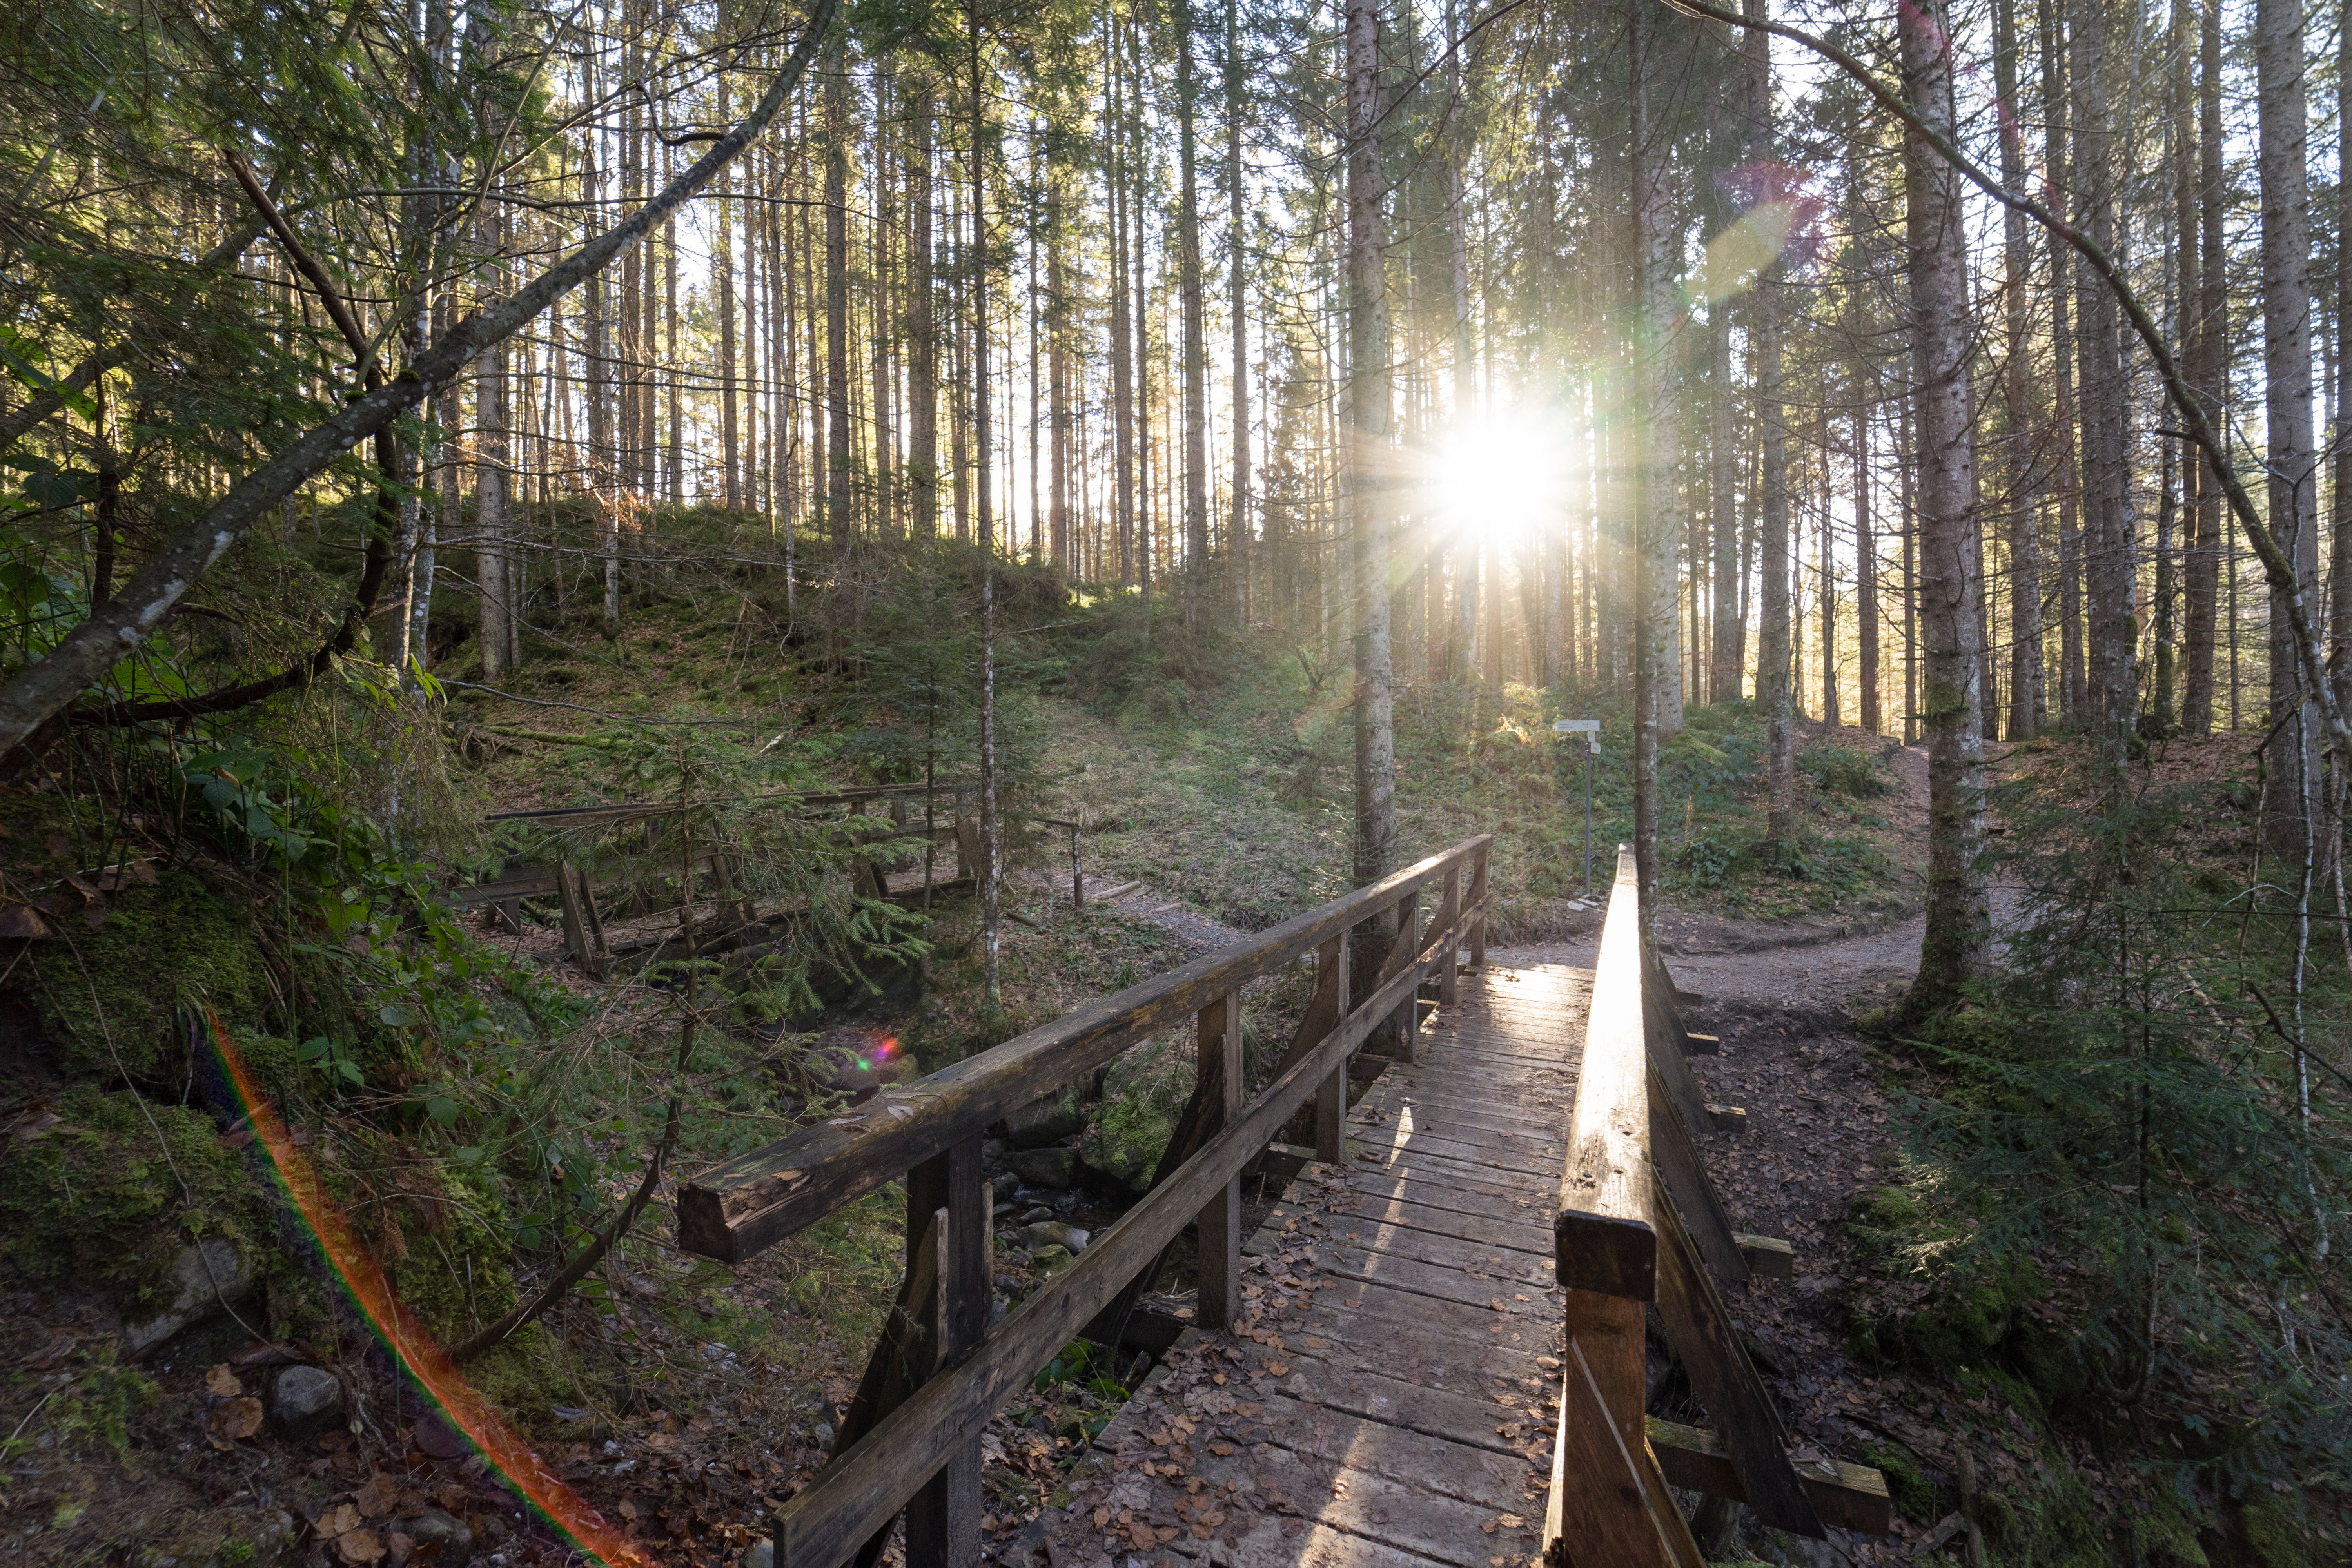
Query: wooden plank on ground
(1852, 1496)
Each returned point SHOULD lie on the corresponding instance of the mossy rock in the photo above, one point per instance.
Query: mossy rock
(100, 1199)
(1144, 1095)
(1917, 1495)
(446, 1249)
(107, 996)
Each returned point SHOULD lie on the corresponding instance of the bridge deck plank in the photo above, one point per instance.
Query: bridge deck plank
(1379, 1410)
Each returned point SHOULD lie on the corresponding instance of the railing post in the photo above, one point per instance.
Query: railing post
(1407, 949)
(1331, 1100)
(1477, 896)
(1220, 1049)
(1449, 985)
(1077, 871)
(943, 1516)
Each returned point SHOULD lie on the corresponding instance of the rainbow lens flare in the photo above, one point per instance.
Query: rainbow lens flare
(459, 1403)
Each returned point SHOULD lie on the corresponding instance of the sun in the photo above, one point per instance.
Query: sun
(1502, 478)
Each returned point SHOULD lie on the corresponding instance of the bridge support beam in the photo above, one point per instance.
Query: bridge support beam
(1219, 1035)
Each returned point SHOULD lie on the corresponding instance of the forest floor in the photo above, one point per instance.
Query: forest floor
(704, 1396)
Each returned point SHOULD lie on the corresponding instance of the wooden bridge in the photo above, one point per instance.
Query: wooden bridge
(1434, 1349)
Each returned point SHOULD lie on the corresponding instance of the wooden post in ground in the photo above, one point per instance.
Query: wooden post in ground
(583, 928)
(1077, 871)
(1220, 1047)
(943, 1516)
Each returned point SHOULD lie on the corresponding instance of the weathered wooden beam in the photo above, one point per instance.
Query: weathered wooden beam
(1702, 1045)
(736, 1209)
(1602, 1238)
(1769, 1257)
(1728, 1119)
(1219, 1052)
(1608, 1506)
(1700, 1328)
(1683, 1174)
(860, 1490)
(1852, 1496)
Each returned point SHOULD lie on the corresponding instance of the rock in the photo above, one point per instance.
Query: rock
(1005, 1185)
(439, 1536)
(1040, 1212)
(759, 1554)
(1049, 1258)
(305, 1402)
(1049, 1122)
(1044, 1167)
(1052, 1233)
(206, 1278)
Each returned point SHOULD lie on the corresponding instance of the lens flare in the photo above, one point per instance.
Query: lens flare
(461, 1403)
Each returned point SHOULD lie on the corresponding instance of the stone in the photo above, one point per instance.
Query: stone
(206, 1278)
(1036, 1214)
(1049, 1122)
(760, 1553)
(1055, 1168)
(305, 1402)
(1004, 1186)
(438, 1538)
(1052, 1233)
(1052, 1257)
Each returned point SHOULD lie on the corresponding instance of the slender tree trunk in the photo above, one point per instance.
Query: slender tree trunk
(2111, 629)
(1196, 348)
(922, 328)
(1122, 365)
(1866, 557)
(1237, 526)
(983, 502)
(2066, 471)
(1463, 660)
(1830, 709)
(2340, 610)
(1370, 394)
(2028, 705)
(1958, 918)
(1775, 646)
(495, 635)
(839, 509)
(723, 283)
(1658, 520)
(2291, 464)
(1728, 637)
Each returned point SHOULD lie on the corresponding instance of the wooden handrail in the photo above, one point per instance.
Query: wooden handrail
(859, 1493)
(1640, 1222)
(735, 1210)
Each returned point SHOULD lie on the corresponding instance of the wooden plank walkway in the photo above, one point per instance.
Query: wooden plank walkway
(1389, 1398)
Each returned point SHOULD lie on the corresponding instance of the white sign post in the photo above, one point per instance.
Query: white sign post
(1590, 730)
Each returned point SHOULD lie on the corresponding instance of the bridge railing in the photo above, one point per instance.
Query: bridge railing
(1640, 1224)
(911, 1439)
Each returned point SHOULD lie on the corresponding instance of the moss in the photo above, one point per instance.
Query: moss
(107, 994)
(1916, 1495)
(2274, 1537)
(98, 1199)
(1142, 1097)
(101, 1400)
(2168, 1536)
(449, 1246)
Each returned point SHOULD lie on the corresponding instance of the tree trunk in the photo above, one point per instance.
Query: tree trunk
(2339, 618)
(983, 501)
(922, 330)
(1190, 302)
(2111, 631)
(1237, 526)
(495, 635)
(1866, 557)
(1658, 516)
(1728, 637)
(2027, 706)
(1958, 920)
(723, 283)
(1122, 364)
(2072, 699)
(839, 515)
(1775, 686)
(2291, 464)
(1368, 397)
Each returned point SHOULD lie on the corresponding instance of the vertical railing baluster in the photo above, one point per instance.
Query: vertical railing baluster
(1220, 1046)
(1477, 896)
(1331, 1100)
(943, 1516)
(1449, 985)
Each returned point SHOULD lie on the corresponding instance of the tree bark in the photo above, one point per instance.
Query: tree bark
(2065, 477)
(1190, 304)
(839, 516)
(1370, 394)
(2028, 703)
(1237, 526)
(922, 328)
(2111, 630)
(1658, 521)
(2292, 468)
(1775, 685)
(1958, 918)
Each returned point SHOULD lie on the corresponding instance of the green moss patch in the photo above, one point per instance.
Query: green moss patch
(107, 994)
